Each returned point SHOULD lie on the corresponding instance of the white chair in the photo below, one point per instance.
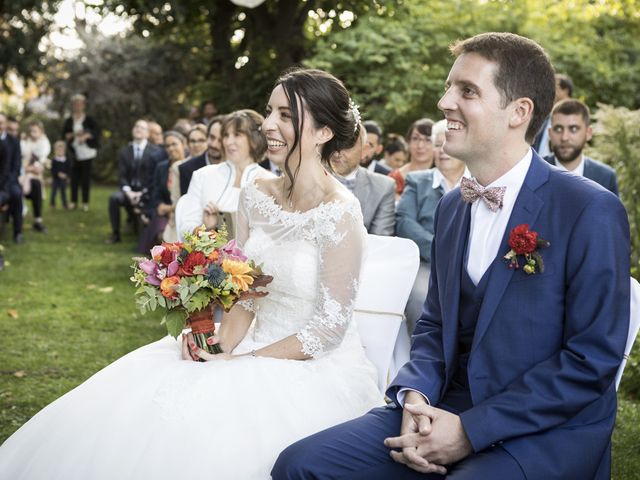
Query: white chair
(634, 326)
(389, 270)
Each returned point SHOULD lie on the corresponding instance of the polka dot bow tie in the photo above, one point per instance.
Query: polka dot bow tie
(472, 191)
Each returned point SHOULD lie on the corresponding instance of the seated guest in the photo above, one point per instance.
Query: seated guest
(35, 149)
(416, 210)
(395, 152)
(162, 201)
(212, 155)
(420, 152)
(568, 134)
(373, 149)
(12, 186)
(215, 189)
(133, 167)
(59, 173)
(374, 191)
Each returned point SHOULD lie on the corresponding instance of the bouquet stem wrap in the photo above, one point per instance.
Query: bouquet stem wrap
(202, 327)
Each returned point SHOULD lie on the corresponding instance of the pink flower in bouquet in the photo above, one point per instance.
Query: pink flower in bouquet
(156, 252)
(168, 287)
(232, 252)
(151, 269)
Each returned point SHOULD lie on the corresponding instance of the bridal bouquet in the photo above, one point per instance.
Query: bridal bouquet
(189, 278)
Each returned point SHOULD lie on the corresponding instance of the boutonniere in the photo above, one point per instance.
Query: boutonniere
(525, 243)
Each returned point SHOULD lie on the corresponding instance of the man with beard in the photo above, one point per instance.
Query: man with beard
(568, 134)
(212, 156)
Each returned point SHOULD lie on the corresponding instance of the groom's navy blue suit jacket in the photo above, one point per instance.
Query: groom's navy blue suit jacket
(546, 346)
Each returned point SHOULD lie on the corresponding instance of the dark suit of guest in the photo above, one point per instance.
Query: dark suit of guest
(527, 361)
(4, 175)
(187, 168)
(134, 176)
(378, 168)
(596, 171)
(159, 194)
(267, 165)
(81, 169)
(13, 189)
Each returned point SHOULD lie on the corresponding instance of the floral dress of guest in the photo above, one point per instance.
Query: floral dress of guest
(152, 415)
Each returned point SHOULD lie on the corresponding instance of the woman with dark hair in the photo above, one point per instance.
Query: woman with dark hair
(395, 152)
(420, 152)
(214, 190)
(292, 362)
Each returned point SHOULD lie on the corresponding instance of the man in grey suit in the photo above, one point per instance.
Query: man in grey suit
(375, 192)
(568, 134)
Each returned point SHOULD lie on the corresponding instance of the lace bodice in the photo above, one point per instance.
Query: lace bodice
(314, 257)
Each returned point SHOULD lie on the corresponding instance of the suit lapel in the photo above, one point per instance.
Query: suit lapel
(525, 210)
(451, 291)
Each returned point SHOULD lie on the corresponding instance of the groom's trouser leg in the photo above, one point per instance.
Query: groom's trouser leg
(346, 450)
(354, 450)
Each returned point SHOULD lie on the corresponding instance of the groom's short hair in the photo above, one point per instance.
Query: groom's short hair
(524, 70)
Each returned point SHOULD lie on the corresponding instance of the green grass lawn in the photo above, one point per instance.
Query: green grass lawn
(67, 310)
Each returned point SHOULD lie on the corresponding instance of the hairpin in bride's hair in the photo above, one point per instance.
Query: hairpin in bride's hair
(355, 111)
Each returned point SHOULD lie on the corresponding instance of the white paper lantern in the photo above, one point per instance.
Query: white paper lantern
(247, 3)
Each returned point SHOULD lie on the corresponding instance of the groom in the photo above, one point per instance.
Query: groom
(512, 369)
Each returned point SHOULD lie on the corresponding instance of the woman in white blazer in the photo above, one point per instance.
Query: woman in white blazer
(214, 190)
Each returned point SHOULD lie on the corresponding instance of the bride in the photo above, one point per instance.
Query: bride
(294, 369)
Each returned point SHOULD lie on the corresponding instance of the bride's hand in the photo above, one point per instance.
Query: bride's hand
(190, 351)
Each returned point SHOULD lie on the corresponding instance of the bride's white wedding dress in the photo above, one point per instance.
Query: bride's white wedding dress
(152, 415)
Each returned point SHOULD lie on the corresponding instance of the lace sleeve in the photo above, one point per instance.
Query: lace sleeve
(342, 240)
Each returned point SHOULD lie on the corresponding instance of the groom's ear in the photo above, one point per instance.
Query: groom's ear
(521, 112)
(323, 135)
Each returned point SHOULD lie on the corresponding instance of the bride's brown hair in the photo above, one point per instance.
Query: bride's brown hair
(328, 102)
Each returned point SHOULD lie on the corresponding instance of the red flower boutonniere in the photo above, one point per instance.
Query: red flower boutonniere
(525, 243)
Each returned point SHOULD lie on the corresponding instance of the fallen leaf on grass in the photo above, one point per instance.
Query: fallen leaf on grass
(106, 289)
(20, 374)
(32, 284)
(91, 286)
(13, 313)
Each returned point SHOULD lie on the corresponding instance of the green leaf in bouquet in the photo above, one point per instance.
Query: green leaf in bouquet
(198, 300)
(193, 288)
(150, 291)
(153, 303)
(162, 301)
(183, 291)
(226, 301)
(174, 319)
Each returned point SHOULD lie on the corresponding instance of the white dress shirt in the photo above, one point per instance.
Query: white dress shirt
(487, 229)
(439, 180)
(579, 170)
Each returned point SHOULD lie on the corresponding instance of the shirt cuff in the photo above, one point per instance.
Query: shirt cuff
(126, 188)
(403, 392)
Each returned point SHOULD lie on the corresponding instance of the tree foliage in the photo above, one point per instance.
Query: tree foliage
(23, 23)
(396, 65)
(124, 78)
(240, 51)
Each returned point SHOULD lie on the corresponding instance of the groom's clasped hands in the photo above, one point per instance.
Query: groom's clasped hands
(429, 438)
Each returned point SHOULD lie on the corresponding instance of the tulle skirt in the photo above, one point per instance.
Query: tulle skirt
(152, 415)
